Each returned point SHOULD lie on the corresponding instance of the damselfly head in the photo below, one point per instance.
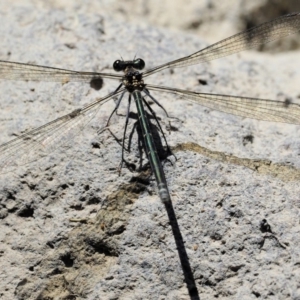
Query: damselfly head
(120, 65)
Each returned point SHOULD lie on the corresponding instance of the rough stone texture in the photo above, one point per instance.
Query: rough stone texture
(72, 228)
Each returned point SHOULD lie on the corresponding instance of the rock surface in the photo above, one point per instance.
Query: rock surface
(72, 228)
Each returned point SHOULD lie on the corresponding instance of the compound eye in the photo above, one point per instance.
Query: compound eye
(118, 65)
(139, 64)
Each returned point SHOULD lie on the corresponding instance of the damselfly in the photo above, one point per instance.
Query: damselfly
(44, 139)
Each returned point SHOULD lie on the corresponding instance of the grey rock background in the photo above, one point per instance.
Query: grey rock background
(72, 228)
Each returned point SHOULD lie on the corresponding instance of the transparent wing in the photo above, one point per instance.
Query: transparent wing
(247, 39)
(254, 108)
(43, 140)
(19, 71)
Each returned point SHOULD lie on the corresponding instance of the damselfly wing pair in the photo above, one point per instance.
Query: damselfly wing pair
(44, 139)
